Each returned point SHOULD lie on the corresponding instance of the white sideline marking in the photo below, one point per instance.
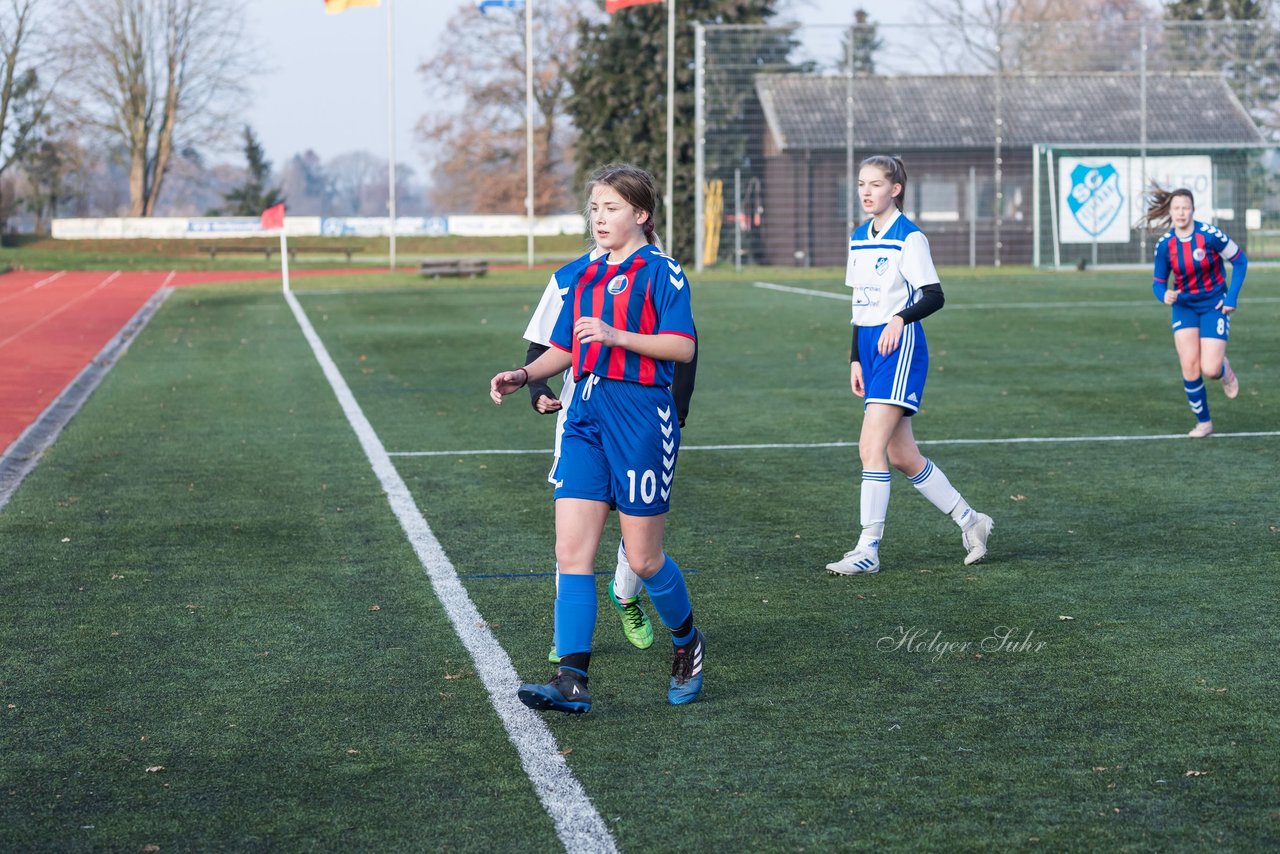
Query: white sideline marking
(770, 286)
(577, 822)
(805, 446)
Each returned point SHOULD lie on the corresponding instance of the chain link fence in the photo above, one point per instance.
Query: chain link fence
(1029, 144)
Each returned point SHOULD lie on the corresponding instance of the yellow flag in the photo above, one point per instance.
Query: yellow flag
(333, 7)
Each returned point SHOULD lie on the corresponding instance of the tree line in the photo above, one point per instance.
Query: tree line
(113, 106)
(600, 80)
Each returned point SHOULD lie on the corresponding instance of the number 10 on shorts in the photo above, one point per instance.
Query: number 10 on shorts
(648, 486)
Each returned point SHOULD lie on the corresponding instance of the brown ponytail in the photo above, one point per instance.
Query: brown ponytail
(893, 169)
(1158, 202)
(637, 188)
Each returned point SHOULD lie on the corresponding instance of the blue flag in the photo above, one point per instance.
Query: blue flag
(486, 5)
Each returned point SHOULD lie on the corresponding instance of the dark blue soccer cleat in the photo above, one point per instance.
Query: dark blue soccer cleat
(686, 671)
(566, 692)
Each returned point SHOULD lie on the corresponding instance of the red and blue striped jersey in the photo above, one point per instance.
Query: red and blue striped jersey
(1193, 265)
(647, 294)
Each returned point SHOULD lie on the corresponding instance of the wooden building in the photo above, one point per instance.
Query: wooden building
(944, 127)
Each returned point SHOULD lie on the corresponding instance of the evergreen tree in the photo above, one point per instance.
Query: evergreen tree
(860, 44)
(620, 91)
(1237, 38)
(256, 193)
(1216, 10)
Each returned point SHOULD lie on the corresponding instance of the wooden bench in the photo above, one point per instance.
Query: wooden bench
(435, 269)
(270, 249)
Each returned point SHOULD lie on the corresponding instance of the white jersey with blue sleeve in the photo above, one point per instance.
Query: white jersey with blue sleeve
(887, 270)
(543, 322)
(544, 316)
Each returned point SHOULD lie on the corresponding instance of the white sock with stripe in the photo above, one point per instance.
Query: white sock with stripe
(873, 508)
(933, 485)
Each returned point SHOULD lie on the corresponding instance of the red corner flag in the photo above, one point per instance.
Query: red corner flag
(612, 6)
(273, 217)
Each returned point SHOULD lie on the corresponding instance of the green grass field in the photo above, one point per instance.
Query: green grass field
(215, 635)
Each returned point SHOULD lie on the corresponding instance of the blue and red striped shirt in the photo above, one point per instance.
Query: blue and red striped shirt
(647, 294)
(1193, 265)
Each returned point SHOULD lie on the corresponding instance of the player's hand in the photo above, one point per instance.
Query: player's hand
(855, 379)
(593, 330)
(1170, 296)
(547, 405)
(506, 382)
(1223, 307)
(890, 337)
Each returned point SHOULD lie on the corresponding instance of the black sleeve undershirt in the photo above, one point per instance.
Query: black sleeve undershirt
(537, 388)
(682, 384)
(931, 299)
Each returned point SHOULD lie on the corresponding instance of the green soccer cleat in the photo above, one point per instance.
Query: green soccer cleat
(552, 657)
(635, 622)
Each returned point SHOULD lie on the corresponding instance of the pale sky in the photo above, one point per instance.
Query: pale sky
(324, 85)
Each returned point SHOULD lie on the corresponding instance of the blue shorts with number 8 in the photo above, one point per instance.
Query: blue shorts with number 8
(1211, 321)
(619, 446)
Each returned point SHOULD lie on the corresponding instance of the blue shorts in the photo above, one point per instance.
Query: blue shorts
(619, 446)
(897, 378)
(1211, 322)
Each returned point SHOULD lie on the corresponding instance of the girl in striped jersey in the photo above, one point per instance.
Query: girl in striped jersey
(1189, 277)
(895, 286)
(625, 322)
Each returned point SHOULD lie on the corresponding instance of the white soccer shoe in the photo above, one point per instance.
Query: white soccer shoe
(974, 538)
(1230, 382)
(860, 561)
(1201, 430)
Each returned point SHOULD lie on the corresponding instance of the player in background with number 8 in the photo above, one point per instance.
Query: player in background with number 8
(1190, 278)
(895, 286)
(626, 321)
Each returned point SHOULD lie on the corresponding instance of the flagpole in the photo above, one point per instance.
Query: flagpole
(391, 128)
(528, 120)
(284, 260)
(671, 120)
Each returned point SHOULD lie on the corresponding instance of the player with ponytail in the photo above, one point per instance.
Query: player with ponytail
(895, 286)
(1190, 278)
(626, 321)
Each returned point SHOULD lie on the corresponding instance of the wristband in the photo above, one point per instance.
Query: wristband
(526, 378)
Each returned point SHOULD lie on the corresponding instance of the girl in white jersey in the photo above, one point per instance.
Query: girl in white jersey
(894, 287)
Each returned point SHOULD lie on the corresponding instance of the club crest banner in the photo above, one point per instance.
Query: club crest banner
(1101, 199)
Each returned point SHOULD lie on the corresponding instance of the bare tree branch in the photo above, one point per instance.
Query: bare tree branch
(157, 77)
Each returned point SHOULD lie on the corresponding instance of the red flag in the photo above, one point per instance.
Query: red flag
(273, 217)
(612, 6)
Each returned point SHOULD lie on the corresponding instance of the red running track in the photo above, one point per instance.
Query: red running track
(52, 324)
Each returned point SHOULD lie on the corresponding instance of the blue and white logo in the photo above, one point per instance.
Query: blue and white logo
(616, 285)
(1095, 198)
(882, 264)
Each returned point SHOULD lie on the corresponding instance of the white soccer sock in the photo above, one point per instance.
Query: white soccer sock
(933, 485)
(626, 584)
(873, 508)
